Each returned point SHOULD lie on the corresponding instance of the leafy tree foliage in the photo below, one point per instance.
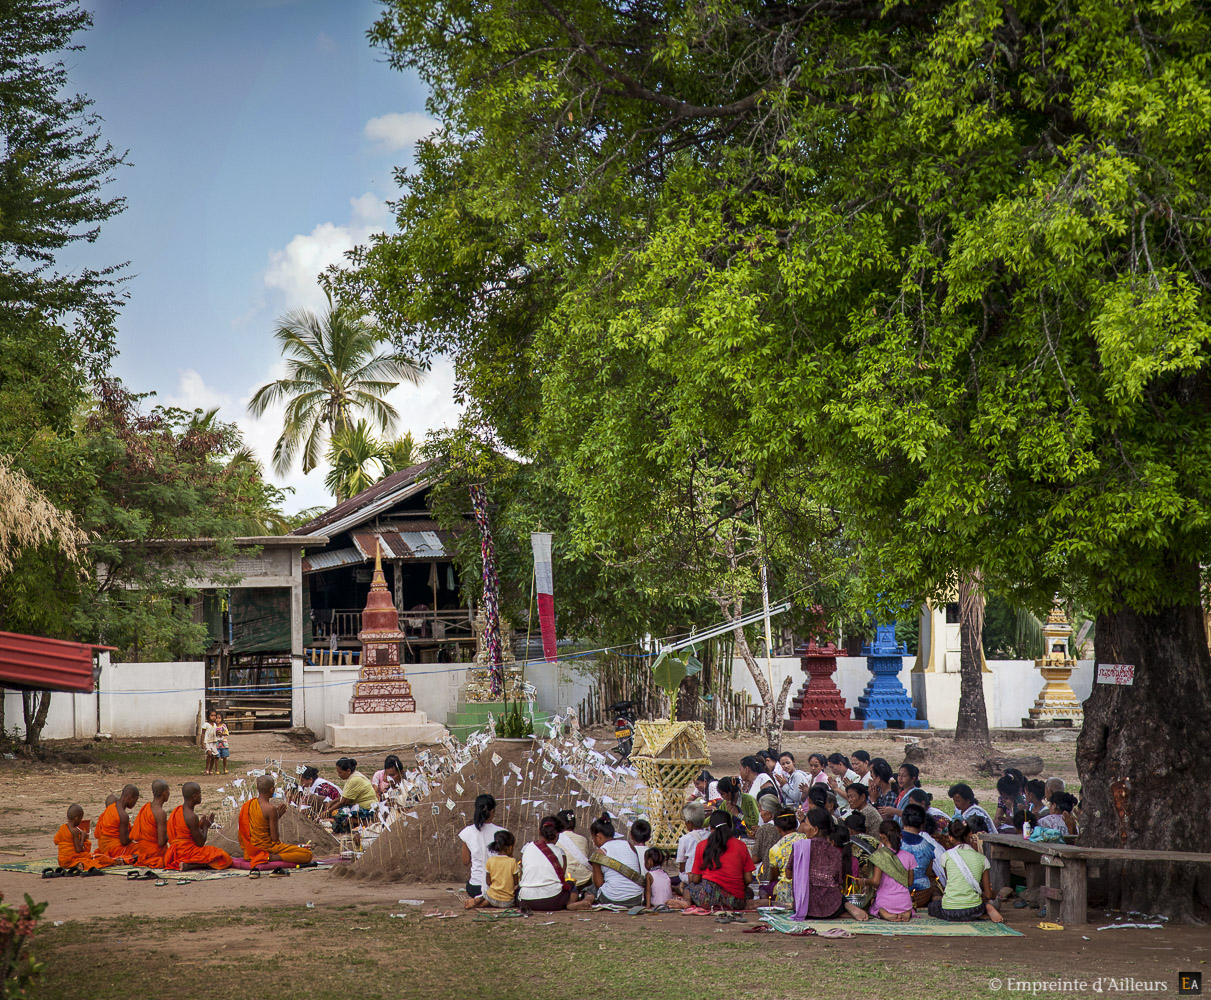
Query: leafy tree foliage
(946, 263)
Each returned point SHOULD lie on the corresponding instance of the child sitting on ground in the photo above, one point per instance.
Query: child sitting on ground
(501, 873)
(657, 887)
(75, 849)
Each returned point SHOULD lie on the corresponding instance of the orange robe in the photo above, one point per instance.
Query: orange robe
(108, 825)
(69, 857)
(182, 850)
(143, 835)
(254, 838)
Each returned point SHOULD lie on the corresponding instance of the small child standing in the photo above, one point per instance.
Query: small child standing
(222, 746)
(210, 742)
(501, 873)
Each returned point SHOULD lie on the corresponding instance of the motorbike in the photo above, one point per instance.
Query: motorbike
(624, 729)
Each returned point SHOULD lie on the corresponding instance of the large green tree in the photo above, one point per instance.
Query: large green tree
(946, 261)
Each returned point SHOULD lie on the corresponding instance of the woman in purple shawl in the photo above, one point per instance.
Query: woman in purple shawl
(819, 864)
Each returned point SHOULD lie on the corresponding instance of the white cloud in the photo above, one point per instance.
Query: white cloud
(401, 129)
(294, 270)
(422, 408)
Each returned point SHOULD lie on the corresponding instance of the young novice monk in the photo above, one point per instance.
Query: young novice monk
(113, 828)
(149, 831)
(259, 829)
(75, 849)
(187, 835)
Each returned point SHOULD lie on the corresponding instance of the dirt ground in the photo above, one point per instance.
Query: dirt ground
(34, 798)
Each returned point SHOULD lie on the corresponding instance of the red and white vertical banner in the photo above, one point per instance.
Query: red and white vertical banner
(544, 585)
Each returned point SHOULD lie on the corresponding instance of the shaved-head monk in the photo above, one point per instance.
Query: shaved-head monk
(75, 849)
(259, 829)
(187, 835)
(149, 831)
(113, 827)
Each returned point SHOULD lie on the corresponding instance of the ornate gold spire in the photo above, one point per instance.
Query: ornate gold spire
(378, 581)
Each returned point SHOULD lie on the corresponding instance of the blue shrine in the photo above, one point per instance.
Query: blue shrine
(885, 704)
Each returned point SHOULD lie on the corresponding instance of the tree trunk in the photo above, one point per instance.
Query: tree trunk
(1143, 751)
(772, 709)
(972, 724)
(34, 705)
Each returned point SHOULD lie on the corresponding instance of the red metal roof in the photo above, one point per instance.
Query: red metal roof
(30, 661)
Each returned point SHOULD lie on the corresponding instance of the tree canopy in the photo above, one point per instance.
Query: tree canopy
(942, 266)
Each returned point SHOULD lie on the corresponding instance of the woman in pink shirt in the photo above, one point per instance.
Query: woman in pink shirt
(893, 899)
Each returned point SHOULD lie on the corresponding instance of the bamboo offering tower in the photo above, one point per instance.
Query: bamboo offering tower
(668, 756)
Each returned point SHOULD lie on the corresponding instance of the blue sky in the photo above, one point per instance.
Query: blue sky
(261, 136)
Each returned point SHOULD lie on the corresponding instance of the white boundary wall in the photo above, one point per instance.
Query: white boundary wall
(136, 700)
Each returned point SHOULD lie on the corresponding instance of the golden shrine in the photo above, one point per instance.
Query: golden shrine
(668, 756)
(1056, 704)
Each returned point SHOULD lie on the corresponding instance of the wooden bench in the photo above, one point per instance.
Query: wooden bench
(1060, 872)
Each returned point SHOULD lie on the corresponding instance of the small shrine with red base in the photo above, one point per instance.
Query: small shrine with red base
(382, 711)
(819, 704)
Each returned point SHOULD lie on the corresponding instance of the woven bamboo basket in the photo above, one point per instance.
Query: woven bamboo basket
(668, 757)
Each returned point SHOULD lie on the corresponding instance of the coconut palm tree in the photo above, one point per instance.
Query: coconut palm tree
(358, 460)
(336, 367)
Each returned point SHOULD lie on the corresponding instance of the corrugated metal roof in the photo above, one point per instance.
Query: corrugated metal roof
(402, 544)
(359, 509)
(330, 560)
(31, 661)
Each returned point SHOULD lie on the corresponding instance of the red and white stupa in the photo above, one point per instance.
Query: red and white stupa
(382, 711)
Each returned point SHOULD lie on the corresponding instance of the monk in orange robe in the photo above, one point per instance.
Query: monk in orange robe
(149, 831)
(113, 827)
(187, 835)
(75, 849)
(259, 829)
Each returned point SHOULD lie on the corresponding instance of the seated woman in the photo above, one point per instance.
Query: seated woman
(722, 870)
(741, 806)
(767, 834)
(389, 777)
(544, 884)
(891, 877)
(1009, 801)
(1062, 815)
(778, 870)
(819, 865)
(924, 853)
(616, 876)
(575, 848)
(968, 895)
(315, 793)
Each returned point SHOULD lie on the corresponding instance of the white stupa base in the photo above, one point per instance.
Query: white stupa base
(361, 730)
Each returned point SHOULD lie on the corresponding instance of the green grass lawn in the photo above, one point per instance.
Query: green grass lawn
(158, 759)
(335, 953)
